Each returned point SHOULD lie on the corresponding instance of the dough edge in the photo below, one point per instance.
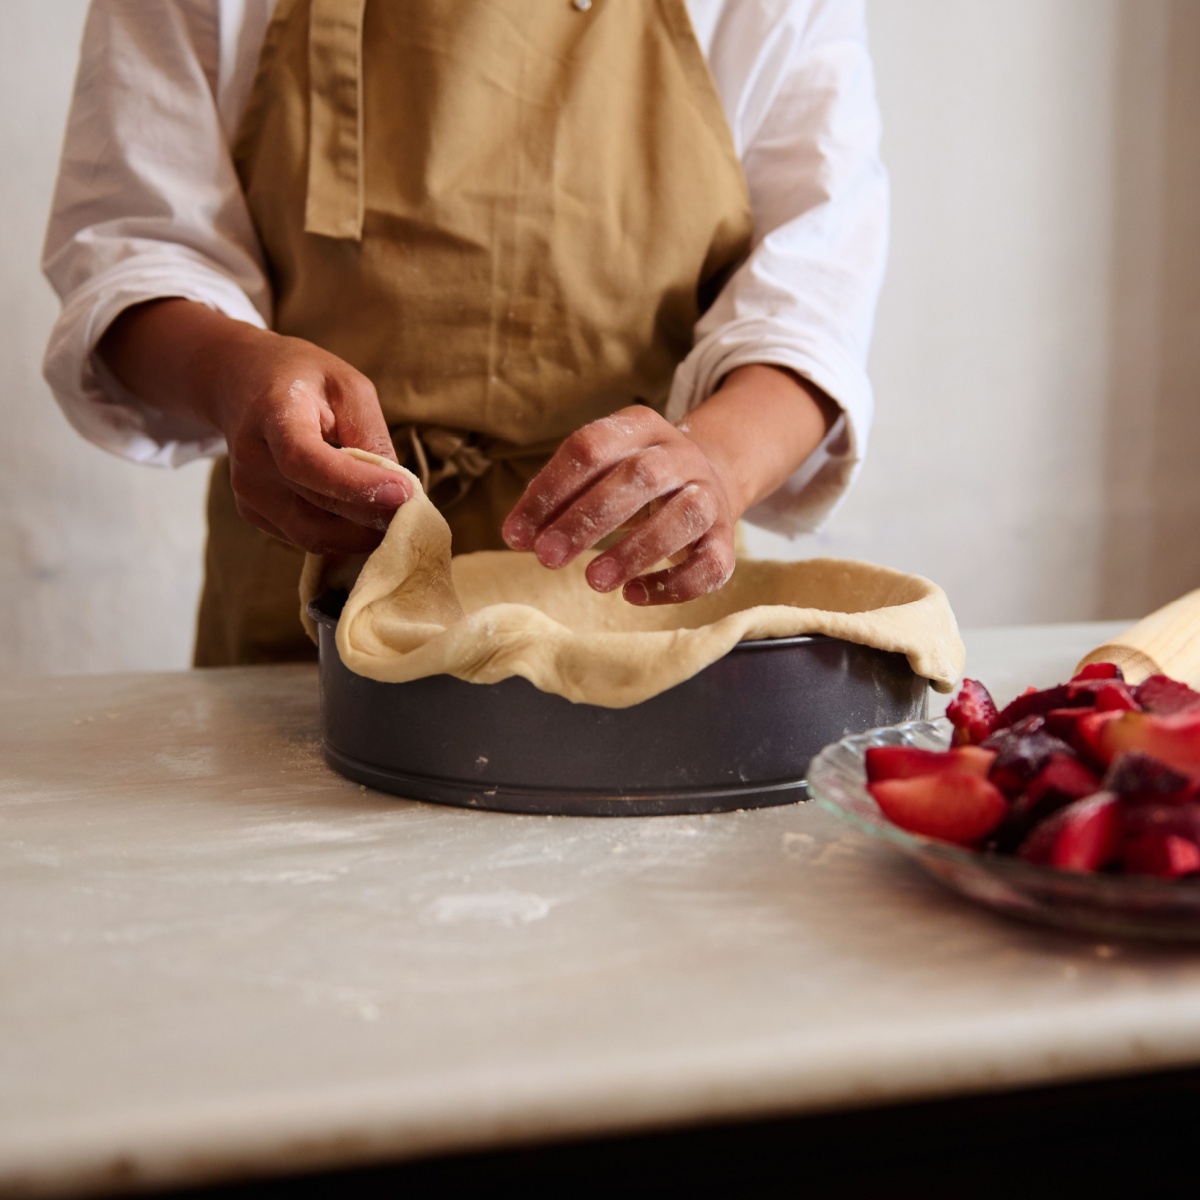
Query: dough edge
(404, 619)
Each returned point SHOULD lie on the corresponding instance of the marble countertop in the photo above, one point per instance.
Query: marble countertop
(220, 960)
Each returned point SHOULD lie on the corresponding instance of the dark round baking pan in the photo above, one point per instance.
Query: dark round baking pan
(738, 734)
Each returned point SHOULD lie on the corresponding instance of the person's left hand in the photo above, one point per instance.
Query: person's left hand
(605, 475)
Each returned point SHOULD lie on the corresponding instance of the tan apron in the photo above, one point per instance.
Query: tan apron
(508, 214)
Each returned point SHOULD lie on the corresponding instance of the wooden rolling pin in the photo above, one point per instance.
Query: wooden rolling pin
(1167, 642)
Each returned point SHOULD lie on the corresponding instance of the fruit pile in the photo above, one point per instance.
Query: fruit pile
(1091, 775)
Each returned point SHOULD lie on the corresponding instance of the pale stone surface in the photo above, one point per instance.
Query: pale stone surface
(217, 959)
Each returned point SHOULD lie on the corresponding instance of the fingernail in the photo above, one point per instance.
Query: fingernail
(518, 533)
(391, 495)
(552, 549)
(635, 592)
(603, 574)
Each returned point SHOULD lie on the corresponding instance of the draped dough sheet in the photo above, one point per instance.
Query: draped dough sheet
(414, 611)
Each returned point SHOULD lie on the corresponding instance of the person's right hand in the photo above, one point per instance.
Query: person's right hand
(284, 407)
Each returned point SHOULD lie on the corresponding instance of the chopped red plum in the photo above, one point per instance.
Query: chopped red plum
(1162, 695)
(972, 713)
(952, 806)
(1084, 836)
(905, 762)
(1091, 775)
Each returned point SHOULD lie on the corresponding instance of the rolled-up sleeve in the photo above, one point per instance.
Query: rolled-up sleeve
(797, 83)
(147, 206)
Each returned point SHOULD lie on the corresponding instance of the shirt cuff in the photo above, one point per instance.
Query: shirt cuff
(93, 400)
(812, 493)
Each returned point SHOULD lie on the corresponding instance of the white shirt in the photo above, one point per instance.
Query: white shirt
(148, 205)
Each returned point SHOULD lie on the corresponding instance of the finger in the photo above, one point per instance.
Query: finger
(682, 521)
(302, 524)
(257, 482)
(249, 513)
(708, 568)
(361, 514)
(359, 420)
(303, 457)
(586, 455)
(608, 505)
(320, 532)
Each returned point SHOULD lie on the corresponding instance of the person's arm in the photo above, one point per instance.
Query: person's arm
(161, 353)
(797, 83)
(282, 406)
(796, 80)
(773, 404)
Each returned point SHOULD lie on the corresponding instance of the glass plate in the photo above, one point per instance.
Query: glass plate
(1120, 906)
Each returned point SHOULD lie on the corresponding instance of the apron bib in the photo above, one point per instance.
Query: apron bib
(507, 214)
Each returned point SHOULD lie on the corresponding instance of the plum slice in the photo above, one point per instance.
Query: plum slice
(1062, 776)
(1084, 836)
(908, 762)
(1099, 670)
(972, 713)
(1033, 702)
(1063, 780)
(1000, 738)
(1173, 739)
(1088, 731)
(1084, 691)
(1140, 779)
(1110, 695)
(1164, 855)
(1018, 760)
(1175, 820)
(953, 806)
(1163, 695)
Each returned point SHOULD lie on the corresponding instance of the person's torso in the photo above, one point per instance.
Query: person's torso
(507, 213)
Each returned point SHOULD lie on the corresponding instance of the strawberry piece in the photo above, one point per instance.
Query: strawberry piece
(1139, 779)
(954, 806)
(1163, 695)
(1099, 670)
(1174, 739)
(1084, 836)
(907, 762)
(1161, 854)
(972, 713)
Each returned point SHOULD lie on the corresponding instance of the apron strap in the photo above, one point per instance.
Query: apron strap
(450, 461)
(455, 457)
(334, 204)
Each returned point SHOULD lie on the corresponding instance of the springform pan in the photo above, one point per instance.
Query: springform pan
(738, 734)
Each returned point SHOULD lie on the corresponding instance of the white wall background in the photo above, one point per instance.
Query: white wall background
(1037, 359)
(99, 560)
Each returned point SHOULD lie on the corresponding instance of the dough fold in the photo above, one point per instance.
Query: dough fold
(414, 611)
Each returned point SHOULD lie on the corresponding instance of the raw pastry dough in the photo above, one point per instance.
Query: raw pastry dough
(414, 611)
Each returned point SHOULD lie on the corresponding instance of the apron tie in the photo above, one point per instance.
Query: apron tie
(335, 201)
(456, 457)
(453, 459)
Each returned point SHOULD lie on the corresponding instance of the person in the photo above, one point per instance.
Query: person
(601, 272)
